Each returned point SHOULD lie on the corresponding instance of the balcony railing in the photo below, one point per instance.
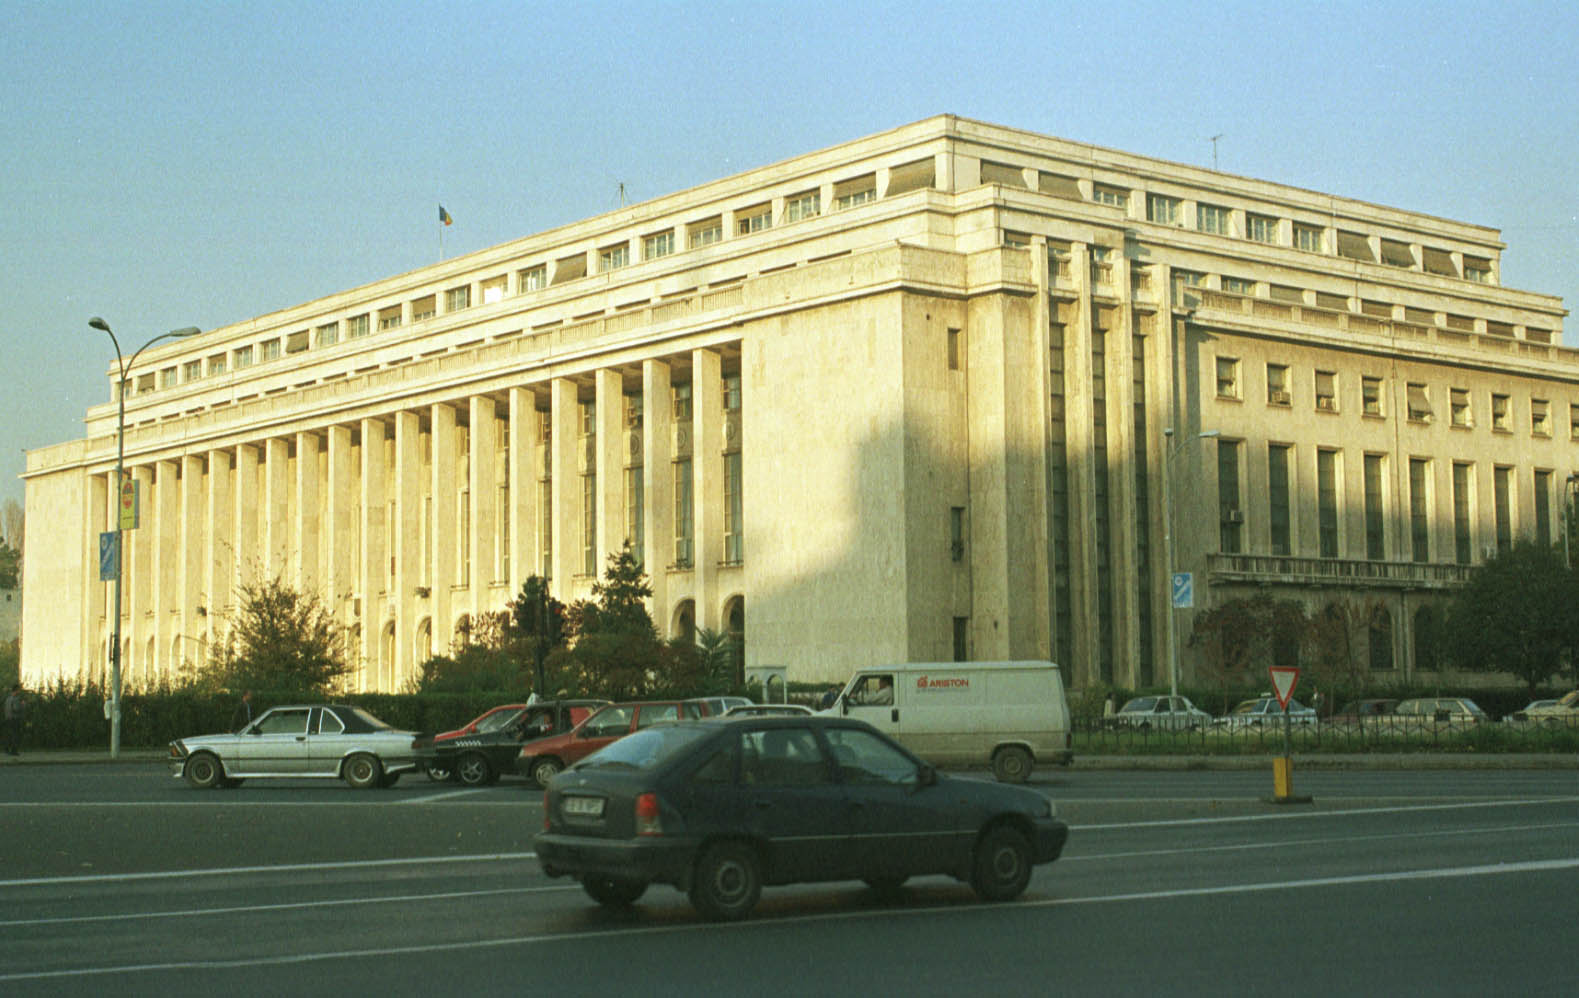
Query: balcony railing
(1271, 568)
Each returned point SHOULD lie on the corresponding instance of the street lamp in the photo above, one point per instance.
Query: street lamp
(125, 367)
(1169, 447)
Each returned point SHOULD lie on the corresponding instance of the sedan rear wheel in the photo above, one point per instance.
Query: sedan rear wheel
(544, 770)
(1012, 764)
(613, 892)
(1002, 866)
(203, 771)
(474, 769)
(727, 882)
(363, 771)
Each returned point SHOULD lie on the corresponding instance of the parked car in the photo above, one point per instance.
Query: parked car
(1522, 715)
(721, 705)
(720, 809)
(300, 742)
(541, 758)
(1264, 710)
(486, 747)
(1441, 710)
(1565, 710)
(1363, 711)
(1166, 712)
(768, 710)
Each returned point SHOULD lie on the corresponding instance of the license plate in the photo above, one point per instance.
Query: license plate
(583, 807)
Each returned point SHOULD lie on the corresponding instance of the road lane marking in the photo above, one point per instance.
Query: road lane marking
(107, 878)
(1444, 873)
(1310, 815)
(1196, 850)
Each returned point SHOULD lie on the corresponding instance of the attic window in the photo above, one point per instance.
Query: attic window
(1355, 246)
(1059, 186)
(912, 176)
(858, 190)
(1002, 173)
(1397, 254)
(569, 268)
(1439, 262)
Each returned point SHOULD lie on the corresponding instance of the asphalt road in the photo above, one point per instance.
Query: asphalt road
(117, 878)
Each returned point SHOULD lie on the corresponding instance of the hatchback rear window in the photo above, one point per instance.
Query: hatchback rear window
(646, 748)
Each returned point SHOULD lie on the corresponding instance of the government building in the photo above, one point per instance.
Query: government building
(953, 391)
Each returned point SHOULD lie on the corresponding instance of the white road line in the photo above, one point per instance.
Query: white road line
(449, 795)
(1197, 850)
(110, 878)
(1445, 873)
(1292, 815)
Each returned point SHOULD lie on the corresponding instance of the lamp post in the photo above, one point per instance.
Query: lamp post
(1169, 448)
(124, 366)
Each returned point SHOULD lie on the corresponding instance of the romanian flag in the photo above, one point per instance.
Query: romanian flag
(444, 216)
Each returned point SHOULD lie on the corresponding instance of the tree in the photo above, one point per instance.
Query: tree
(1337, 633)
(484, 656)
(10, 566)
(1244, 635)
(282, 640)
(1516, 614)
(616, 642)
(536, 621)
(716, 659)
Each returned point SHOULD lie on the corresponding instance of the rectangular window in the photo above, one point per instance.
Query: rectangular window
(635, 514)
(357, 326)
(216, 364)
(1278, 498)
(633, 406)
(683, 541)
(1371, 396)
(494, 288)
(1307, 238)
(1227, 377)
(269, 350)
(501, 509)
(704, 233)
(1163, 209)
(754, 219)
(1419, 402)
(1463, 550)
(329, 335)
(1112, 196)
(588, 413)
(243, 357)
(962, 639)
(589, 525)
(1327, 501)
(545, 528)
(732, 397)
(297, 342)
(956, 530)
(801, 206)
(463, 530)
(659, 244)
(613, 257)
(532, 278)
(1543, 508)
(860, 190)
(1355, 246)
(1573, 420)
(1419, 509)
(389, 318)
(1277, 392)
(1261, 228)
(192, 370)
(1397, 254)
(456, 299)
(1477, 269)
(167, 378)
(734, 510)
(1326, 391)
(953, 350)
(680, 402)
(1233, 517)
(1214, 219)
(1540, 417)
(1238, 286)
(424, 308)
(1458, 406)
(1501, 413)
(1375, 535)
(1502, 497)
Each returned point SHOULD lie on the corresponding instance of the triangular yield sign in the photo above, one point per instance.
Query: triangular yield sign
(1284, 679)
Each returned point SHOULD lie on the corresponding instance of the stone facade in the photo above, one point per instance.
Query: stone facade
(950, 390)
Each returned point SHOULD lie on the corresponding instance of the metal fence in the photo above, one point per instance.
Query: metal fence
(1371, 734)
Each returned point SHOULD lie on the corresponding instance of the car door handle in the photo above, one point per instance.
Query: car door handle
(893, 715)
(301, 738)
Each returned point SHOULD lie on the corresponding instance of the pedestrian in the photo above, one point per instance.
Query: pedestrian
(15, 709)
(243, 713)
(829, 698)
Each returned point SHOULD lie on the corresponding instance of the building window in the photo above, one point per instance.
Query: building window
(1277, 498)
(613, 257)
(962, 639)
(533, 278)
(1543, 508)
(633, 406)
(1381, 642)
(243, 357)
(1573, 420)
(1375, 530)
(329, 335)
(801, 206)
(424, 308)
(1540, 417)
(1477, 269)
(589, 525)
(463, 532)
(1326, 391)
(1307, 238)
(734, 510)
(657, 245)
(1502, 497)
(1327, 502)
(357, 326)
(754, 219)
(1214, 219)
(1163, 209)
(1463, 549)
(1501, 413)
(456, 299)
(192, 370)
(389, 318)
(493, 289)
(545, 528)
(270, 350)
(635, 514)
(1419, 403)
(956, 527)
(732, 398)
(216, 364)
(953, 350)
(849, 193)
(1261, 228)
(680, 402)
(683, 540)
(1233, 517)
(1419, 509)
(1371, 396)
(1238, 286)
(587, 413)
(1227, 377)
(1112, 196)
(1458, 406)
(1277, 392)
(704, 233)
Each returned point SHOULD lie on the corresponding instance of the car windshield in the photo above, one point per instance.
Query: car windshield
(1570, 699)
(496, 721)
(646, 748)
(1139, 704)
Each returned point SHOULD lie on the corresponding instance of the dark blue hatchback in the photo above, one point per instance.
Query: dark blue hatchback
(721, 808)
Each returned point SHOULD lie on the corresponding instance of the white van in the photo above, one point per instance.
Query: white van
(1010, 715)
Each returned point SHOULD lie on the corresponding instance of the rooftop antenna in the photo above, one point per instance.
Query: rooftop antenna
(622, 193)
(1213, 140)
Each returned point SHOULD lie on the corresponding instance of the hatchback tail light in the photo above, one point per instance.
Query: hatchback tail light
(647, 820)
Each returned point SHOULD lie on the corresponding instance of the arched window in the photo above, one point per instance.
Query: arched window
(1427, 639)
(1381, 641)
(684, 627)
(424, 640)
(735, 618)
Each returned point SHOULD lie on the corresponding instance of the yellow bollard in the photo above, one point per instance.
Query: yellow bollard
(1283, 776)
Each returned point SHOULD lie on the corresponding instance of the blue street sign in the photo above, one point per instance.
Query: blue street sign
(109, 556)
(1183, 591)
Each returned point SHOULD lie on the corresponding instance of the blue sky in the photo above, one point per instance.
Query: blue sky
(176, 164)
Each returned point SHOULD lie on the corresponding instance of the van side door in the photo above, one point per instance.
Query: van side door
(874, 698)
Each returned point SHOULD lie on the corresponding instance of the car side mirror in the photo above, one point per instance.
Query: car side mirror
(926, 776)
(253, 730)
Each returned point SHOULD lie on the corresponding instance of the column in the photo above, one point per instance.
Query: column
(276, 526)
(707, 472)
(407, 533)
(341, 502)
(219, 554)
(445, 485)
(482, 539)
(100, 511)
(193, 530)
(137, 589)
(658, 485)
(372, 570)
(309, 514)
(610, 388)
(244, 491)
(566, 488)
(166, 554)
(523, 488)
(1078, 414)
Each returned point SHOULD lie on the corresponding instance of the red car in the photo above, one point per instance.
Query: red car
(541, 759)
(479, 751)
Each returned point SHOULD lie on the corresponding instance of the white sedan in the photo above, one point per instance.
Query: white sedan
(325, 742)
(1264, 711)
(1168, 713)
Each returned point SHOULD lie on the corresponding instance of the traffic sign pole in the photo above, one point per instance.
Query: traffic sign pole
(1284, 679)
